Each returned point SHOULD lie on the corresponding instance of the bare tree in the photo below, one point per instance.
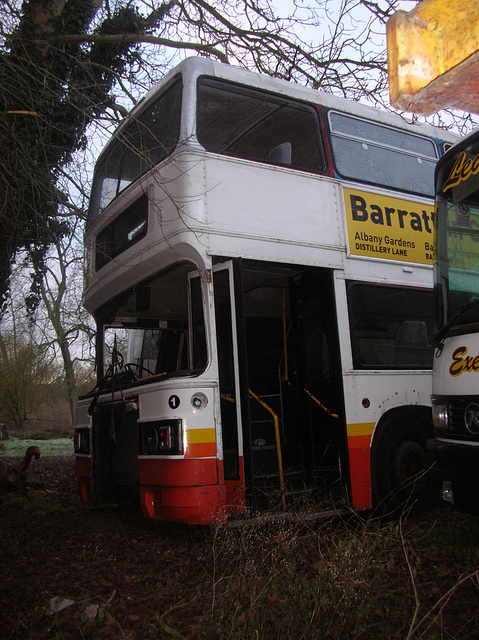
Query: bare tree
(65, 64)
(68, 329)
(22, 369)
(70, 69)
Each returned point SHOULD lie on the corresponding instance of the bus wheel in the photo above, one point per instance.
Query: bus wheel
(400, 476)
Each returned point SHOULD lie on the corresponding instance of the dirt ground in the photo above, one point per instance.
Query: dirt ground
(124, 577)
(104, 558)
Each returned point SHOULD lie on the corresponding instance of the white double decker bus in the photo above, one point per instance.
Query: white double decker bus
(258, 263)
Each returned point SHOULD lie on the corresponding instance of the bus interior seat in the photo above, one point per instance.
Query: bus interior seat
(280, 154)
(412, 344)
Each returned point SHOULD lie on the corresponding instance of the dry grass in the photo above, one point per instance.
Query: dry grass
(411, 578)
(346, 579)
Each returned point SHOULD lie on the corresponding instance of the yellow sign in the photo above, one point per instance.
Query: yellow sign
(388, 228)
(462, 170)
(463, 363)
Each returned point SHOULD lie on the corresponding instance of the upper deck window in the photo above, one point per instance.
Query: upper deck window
(246, 123)
(139, 146)
(123, 232)
(379, 154)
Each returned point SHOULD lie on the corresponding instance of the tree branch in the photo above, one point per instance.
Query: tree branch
(125, 38)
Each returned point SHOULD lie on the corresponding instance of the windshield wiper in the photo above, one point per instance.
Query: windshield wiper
(441, 334)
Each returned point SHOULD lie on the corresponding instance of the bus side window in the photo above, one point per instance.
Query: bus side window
(376, 153)
(390, 326)
(259, 126)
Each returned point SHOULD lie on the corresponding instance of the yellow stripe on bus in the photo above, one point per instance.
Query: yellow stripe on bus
(361, 429)
(200, 436)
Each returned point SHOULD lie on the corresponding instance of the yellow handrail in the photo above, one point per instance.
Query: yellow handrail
(277, 438)
(308, 392)
(278, 446)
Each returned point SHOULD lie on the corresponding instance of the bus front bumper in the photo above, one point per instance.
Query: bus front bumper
(456, 466)
(193, 505)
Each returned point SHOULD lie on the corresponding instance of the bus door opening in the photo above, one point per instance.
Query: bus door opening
(289, 356)
(317, 381)
(228, 369)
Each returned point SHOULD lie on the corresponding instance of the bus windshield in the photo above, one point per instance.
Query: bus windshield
(457, 238)
(155, 328)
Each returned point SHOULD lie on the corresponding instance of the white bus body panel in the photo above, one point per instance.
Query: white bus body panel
(296, 216)
(456, 369)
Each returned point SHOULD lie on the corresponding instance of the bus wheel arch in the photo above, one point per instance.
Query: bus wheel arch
(399, 460)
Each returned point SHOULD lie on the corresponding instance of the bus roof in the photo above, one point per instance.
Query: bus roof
(195, 67)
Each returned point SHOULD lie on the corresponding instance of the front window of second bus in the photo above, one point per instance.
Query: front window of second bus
(457, 243)
(153, 330)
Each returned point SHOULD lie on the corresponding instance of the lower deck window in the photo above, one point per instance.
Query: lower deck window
(391, 326)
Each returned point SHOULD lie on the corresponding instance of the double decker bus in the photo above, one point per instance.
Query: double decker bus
(259, 266)
(456, 363)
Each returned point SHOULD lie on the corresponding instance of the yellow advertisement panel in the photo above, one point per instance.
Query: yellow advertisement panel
(388, 228)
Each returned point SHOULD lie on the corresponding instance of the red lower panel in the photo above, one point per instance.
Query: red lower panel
(235, 495)
(177, 490)
(359, 460)
(194, 505)
(85, 487)
(178, 473)
(84, 473)
(84, 467)
(200, 450)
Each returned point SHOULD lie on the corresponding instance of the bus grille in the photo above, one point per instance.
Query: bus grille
(457, 421)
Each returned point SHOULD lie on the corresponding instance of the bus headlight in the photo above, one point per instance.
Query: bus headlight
(162, 437)
(199, 400)
(440, 416)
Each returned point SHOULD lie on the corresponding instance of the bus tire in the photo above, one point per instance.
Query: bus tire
(400, 466)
